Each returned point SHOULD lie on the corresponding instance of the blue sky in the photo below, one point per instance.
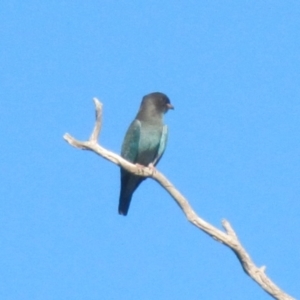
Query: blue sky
(230, 68)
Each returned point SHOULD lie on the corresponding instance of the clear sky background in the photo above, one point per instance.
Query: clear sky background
(230, 68)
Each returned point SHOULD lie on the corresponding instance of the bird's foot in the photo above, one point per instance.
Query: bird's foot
(152, 168)
(140, 169)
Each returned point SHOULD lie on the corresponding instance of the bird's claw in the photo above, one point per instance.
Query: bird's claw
(152, 168)
(141, 169)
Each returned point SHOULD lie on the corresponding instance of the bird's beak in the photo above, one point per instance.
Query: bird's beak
(170, 106)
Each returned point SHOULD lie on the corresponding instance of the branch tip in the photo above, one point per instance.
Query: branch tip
(98, 123)
(98, 104)
(263, 269)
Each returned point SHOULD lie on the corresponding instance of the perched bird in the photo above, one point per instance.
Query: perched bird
(144, 143)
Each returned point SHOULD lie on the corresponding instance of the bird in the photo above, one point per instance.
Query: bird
(144, 143)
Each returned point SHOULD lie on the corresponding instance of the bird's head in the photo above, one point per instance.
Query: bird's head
(159, 101)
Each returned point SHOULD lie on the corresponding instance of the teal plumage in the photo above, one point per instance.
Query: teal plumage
(144, 143)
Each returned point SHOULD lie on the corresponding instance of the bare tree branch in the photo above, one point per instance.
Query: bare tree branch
(229, 237)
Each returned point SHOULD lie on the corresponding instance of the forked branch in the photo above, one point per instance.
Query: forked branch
(229, 237)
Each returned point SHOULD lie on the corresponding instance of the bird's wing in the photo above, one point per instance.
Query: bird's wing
(130, 151)
(130, 145)
(162, 145)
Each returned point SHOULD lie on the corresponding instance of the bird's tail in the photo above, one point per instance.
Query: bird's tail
(124, 203)
(129, 184)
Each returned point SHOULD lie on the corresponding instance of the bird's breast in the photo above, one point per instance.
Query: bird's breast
(148, 144)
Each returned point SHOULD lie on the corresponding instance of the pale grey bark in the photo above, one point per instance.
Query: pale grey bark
(227, 237)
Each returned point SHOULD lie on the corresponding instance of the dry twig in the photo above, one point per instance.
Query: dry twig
(229, 237)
